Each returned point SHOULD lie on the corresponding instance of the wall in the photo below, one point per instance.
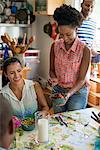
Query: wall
(32, 32)
(69, 2)
(43, 43)
(74, 3)
(32, 29)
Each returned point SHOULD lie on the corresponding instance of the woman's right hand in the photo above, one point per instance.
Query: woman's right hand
(53, 81)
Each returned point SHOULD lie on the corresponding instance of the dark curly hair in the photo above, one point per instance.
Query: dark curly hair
(67, 15)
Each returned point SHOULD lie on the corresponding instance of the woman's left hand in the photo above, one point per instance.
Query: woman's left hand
(44, 113)
(66, 99)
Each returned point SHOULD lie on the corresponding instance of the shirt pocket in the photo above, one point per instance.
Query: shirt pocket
(75, 58)
(76, 62)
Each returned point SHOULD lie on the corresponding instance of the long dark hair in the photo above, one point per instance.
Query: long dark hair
(6, 63)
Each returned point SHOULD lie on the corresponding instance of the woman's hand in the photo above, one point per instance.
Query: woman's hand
(44, 113)
(66, 99)
(53, 81)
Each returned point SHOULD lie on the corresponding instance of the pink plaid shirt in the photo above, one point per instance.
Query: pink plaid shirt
(67, 63)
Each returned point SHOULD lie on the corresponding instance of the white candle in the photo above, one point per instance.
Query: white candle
(43, 130)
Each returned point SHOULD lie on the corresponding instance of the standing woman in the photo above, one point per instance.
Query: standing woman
(25, 96)
(69, 61)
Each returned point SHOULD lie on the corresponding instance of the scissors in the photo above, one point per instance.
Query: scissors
(96, 117)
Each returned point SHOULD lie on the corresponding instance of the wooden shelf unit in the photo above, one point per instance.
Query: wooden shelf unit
(94, 94)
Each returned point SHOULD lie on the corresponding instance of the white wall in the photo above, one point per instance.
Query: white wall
(74, 3)
(43, 43)
(32, 29)
(32, 32)
(69, 2)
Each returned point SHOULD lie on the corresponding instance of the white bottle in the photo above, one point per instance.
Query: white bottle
(43, 130)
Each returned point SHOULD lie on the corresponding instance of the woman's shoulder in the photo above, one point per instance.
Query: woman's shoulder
(58, 44)
(58, 41)
(5, 89)
(6, 92)
(80, 44)
(87, 50)
(29, 83)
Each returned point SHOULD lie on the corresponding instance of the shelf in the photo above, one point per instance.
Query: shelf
(95, 94)
(18, 0)
(90, 104)
(14, 25)
(95, 79)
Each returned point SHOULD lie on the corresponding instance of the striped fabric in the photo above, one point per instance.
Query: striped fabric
(67, 63)
(87, 32)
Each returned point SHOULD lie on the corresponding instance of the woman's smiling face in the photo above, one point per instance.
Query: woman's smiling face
(14, 73)
(67, 33)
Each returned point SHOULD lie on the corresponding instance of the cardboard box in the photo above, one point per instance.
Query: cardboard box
(99, 68)
(93, 99)
(95, 86)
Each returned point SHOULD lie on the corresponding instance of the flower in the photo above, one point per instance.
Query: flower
(17, 122)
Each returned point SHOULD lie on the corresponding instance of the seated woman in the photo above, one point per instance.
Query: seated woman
(25, 96)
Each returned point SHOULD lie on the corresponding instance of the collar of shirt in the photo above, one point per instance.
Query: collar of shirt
(73, 47)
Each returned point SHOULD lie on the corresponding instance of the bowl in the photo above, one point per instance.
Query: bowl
(28, 124)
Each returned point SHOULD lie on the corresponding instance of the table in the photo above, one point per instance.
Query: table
(77, 136)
